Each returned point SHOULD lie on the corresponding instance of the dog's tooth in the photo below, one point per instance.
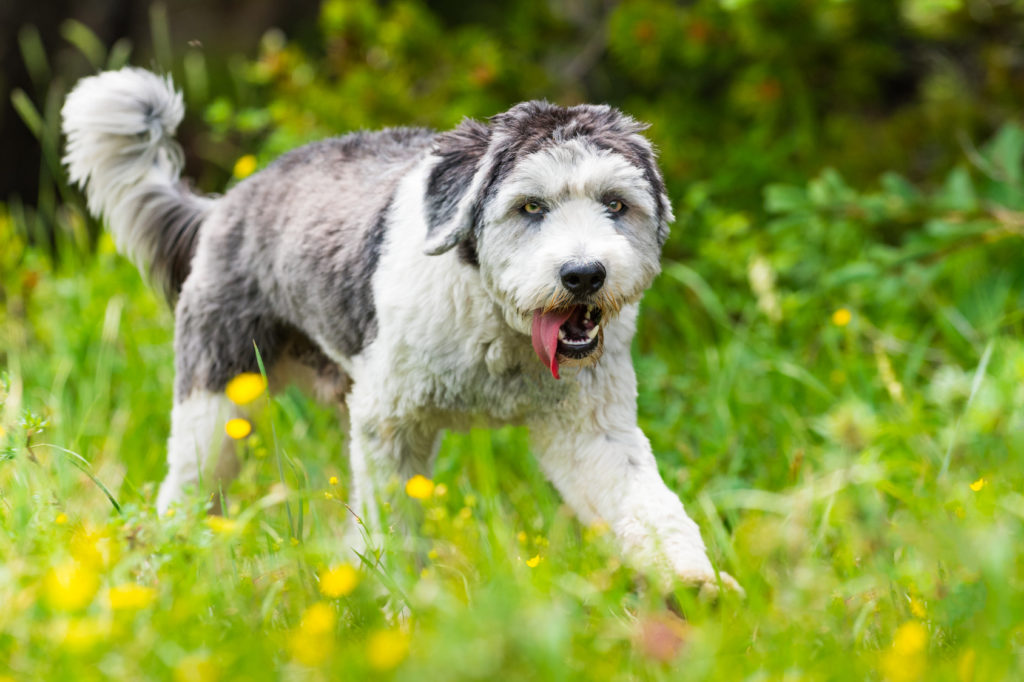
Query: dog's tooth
(561, 334)
(590, 309)
(593, 332)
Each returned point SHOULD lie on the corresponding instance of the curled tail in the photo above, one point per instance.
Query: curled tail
(119, 127)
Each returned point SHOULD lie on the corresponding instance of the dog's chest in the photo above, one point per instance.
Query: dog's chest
(477, 375)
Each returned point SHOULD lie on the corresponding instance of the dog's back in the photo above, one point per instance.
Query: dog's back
(119, 127)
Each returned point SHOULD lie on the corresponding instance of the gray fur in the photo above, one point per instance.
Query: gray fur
(329, 265)
(285, 258)
(292, 251)
(121, 149)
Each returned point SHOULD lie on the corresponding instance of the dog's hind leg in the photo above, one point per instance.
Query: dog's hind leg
(217, 325)
(197, 432)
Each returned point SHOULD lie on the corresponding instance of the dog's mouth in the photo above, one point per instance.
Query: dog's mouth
(567, 334)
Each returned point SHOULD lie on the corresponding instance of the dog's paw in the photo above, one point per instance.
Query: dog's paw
(709, 585)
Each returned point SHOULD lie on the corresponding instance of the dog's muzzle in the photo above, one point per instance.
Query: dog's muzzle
(568, 330)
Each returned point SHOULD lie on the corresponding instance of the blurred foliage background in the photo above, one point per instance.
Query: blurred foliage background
(831, 364)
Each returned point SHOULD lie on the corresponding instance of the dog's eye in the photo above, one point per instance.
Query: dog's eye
(534, 208)
(615, 206)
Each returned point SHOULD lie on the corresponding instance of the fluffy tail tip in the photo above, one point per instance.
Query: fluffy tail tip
(119, 127)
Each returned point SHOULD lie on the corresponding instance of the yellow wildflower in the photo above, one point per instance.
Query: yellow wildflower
(312, 641)
(965, 666)
(130, 597)
(245, 388)
(61, 519)
(419, 487)
(245, 166)
(219, 524)
(238, 428)
(440, 490)
(339, 581)
(70, 586)
(521, 537)
(196, 668)
(94, 546)
(910, 638)
(318, 619)
(841, 317)
(386, 649)
(169, 513)
(917, 608)
(333, 480)
(905, 661)
(534, 561)
(3, 431)
(81, 634)
(979, 484)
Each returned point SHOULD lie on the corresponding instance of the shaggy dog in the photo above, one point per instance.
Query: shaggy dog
(423, 280)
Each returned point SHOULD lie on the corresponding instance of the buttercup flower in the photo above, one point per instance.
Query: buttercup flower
(130, 597)
(245, 388)
(70, 586)
(238, 428)
(312, 642)
(339, 581)
(841, 317)
(386, 649)
(245, 166)
(419, 487)
(219, 524)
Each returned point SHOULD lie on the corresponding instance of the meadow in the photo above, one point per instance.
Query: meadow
(831, 373)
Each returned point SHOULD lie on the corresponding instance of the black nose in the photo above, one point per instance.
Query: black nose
(582, 278)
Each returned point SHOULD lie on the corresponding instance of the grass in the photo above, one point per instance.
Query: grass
(859, 473)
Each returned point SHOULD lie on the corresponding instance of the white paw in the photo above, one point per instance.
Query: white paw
(709, 584)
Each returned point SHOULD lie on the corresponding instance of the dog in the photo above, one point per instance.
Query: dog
(423, 281)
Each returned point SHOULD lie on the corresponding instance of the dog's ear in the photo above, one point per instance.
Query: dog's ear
(456, 183)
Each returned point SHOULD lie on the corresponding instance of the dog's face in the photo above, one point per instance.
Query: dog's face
(564, 212)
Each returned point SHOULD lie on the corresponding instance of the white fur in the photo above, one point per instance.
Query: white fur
(197, 431)
(520, 263)
(116, 144)
(441, 335)
(452, 343)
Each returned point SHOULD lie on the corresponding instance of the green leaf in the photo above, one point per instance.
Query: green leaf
(28, 112)
(779, 198)
(853, 272)
(894, 183)
(79, 35)
(1006, 151)
(34, 55)
(957, 192)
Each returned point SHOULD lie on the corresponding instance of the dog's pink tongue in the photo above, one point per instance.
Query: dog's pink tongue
(545, 336)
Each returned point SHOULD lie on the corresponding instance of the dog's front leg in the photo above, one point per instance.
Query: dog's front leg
(383, 455)
(604, 468)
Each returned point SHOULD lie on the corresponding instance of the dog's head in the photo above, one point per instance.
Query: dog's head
(563, 210)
